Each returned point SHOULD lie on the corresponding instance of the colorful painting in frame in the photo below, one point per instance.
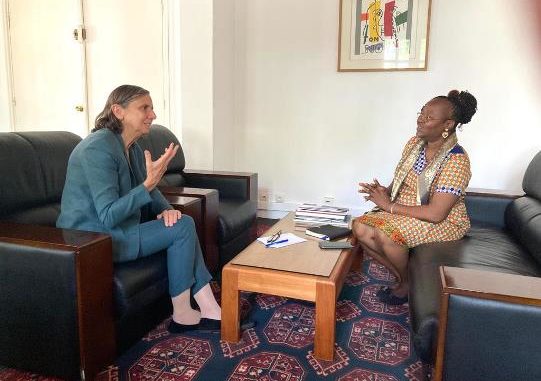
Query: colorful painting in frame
(380, 35)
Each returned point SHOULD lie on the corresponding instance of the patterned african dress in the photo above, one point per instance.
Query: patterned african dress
(452, 176)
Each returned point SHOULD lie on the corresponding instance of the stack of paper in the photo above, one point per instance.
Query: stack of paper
(308, 215)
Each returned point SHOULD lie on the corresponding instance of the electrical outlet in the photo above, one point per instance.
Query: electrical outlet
(328, 200)
(279, 197)
(263, 195)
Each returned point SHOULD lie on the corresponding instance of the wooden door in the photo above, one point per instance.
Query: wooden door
(47, 66)
(124, 46)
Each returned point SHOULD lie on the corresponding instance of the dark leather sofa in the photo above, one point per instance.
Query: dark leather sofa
(65, 308)
(505, 237)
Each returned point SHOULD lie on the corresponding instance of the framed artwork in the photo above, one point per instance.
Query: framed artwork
(381, 35)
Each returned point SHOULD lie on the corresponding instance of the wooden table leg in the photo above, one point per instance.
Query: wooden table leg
(325, 320)
(357, 261)
(230, 305)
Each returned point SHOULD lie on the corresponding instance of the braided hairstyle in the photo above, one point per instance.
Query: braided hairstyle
(463, 104)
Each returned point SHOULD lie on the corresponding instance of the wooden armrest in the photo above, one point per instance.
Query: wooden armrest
(510, 288)
(189, 192)
(48, 236)
(474, 291)
(191, 206)
(94, 278)
(483, 192)
(207, 217)
(218, 173)
(249, 177)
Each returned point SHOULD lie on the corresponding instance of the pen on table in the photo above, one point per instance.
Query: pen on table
(276, 242)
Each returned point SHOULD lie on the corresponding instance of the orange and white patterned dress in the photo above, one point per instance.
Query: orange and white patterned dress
(453, 177)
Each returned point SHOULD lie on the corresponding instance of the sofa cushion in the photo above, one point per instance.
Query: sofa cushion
(33, 172)
(138, 283)
(52, 149)
(20, 172)
(483, 248)
(234, 217)
(46, 214)
(523, 218)
(483, 209)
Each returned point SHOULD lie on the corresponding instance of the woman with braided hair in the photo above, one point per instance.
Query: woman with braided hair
(425, 201)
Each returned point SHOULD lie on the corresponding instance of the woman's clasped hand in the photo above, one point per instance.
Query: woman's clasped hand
(376, 193)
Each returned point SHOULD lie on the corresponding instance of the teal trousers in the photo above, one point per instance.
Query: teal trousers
(185, 265)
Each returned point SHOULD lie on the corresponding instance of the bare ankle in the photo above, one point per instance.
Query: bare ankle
(212, 314)
(187, 316)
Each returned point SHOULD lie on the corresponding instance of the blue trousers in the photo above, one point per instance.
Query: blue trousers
(185, 265)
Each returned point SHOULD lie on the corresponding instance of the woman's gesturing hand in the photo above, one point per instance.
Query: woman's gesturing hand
(156, 169)
(169, 216)
(376, 193)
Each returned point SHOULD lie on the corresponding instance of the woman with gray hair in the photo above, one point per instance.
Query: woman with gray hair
(111, 188)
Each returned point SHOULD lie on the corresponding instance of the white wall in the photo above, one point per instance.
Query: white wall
(224, 84)
(196, 25)
(207, 35)
(260, 92)
(120, 51)
(5, 112)
(310, 131)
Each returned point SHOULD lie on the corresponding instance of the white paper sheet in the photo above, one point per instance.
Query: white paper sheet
(291, 240)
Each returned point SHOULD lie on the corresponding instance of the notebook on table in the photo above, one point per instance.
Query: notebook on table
(328, 232)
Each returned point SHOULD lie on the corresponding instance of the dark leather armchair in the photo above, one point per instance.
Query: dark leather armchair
(229, 200)
(505, 237)
(65, 308)
(56, 299)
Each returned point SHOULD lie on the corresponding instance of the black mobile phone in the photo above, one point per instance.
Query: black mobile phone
(335, 245)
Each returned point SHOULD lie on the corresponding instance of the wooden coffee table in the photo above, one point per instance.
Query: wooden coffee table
(303, 257)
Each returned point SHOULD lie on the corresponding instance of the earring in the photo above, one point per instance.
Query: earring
(445, 134)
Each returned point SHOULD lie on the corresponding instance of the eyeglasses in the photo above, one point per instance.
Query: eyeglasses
(274, 237)
(428, 118)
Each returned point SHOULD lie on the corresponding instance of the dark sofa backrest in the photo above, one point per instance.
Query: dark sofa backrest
(523, 215)
(33, 172)
(155, 142)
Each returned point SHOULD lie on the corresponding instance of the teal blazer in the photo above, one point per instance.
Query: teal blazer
(103, 193)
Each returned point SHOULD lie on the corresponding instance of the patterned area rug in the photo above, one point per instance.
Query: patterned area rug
(373, 342)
